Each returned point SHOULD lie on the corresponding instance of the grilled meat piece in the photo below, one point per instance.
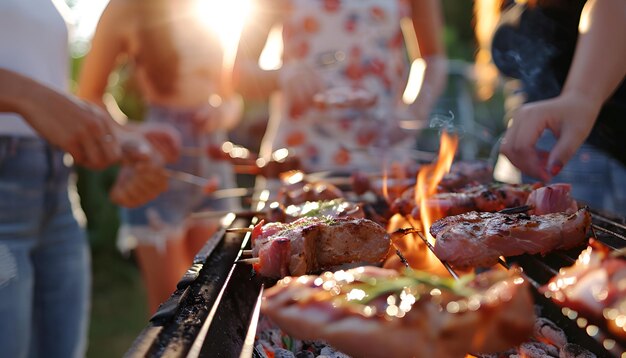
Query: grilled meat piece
(477, 239)
(313, 244)
(330, 208)
(492, 197)
(373, 312)
(466, 173)
(300, 193)
(594, 286)
(552, 199)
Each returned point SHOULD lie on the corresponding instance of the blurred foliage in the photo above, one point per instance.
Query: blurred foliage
(459, 33)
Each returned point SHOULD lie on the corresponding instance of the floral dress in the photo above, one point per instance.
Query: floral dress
(352, 44)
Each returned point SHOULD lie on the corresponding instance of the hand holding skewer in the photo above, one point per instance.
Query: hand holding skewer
(142, 176)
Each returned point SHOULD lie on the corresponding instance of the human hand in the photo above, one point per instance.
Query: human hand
(299, 83)
(165, 140)
(138, 183)
(570, 117)
(81, 129)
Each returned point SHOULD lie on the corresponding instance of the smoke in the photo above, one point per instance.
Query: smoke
(526, 49)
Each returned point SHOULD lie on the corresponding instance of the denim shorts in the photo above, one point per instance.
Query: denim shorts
(167, 215)
(44, 256)
(597, 179)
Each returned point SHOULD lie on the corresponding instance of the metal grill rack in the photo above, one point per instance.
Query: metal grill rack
(214, 311)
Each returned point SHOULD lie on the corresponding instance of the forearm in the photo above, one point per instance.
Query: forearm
(427, 19)
(435, 76)
(254, 82)
(598, 65)
(19, 94)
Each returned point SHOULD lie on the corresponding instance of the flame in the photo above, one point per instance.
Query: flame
(393, 180)
(385, 189)
(418, 255)
(429, 177)
(487, 15)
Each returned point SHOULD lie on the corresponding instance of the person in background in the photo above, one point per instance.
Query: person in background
(335, 50)
(44, 255)
(568, 56)
(176, 59)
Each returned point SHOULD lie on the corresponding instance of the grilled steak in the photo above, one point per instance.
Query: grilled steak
(313, 244)
(492, 197)
(477, 239)
(373, 312)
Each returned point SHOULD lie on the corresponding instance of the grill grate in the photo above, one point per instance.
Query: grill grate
(214, 311)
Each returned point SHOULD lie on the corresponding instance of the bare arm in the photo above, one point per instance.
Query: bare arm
(250, 80)
(427, 23)
(597, 69)
(76, 127)
(108, 45)
(598, 66)
(142, 176)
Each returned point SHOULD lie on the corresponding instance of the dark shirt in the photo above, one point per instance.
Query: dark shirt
(537, 46)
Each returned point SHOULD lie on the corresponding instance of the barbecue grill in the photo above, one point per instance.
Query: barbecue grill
(215, 308)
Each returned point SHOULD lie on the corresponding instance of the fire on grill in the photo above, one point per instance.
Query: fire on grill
(440, 306)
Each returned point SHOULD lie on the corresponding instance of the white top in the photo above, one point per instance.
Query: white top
(33, 42)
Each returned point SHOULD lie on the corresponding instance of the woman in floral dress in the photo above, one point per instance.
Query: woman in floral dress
(344, 69)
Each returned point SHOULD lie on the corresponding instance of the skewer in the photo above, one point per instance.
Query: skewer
(251, 261)
(239, 230)
(220, 213)
(207, 184)
(246, 252)
(432, 249)
(516, 209)
(402, 258)
(187, 177)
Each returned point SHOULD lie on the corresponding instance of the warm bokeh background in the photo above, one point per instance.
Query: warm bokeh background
(119, 312)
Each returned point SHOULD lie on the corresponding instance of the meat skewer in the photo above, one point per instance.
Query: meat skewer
(491, 198)
(478, 239)
(313, 244)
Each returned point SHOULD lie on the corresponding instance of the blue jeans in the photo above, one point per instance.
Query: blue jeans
(44, 256)
(597, 179)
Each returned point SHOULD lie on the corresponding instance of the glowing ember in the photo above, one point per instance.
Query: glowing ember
(429, 177)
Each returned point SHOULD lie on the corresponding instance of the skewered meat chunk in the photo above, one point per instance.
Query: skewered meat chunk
(552, 199)
(300, 193)
(327, 208)
(492, 197)
(477, 239)
(466, 173)
(594, 286)
(313, 244)
(373, 312)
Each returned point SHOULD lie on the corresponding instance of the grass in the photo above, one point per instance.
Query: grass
(119, 310)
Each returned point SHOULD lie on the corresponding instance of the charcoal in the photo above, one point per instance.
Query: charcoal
(571, 350)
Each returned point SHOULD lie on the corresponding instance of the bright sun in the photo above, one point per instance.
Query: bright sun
(226, 18)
